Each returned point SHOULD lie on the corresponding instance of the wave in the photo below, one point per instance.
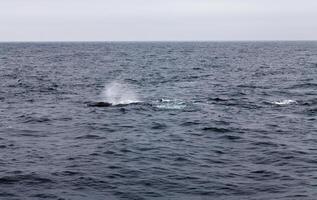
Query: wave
(30, 178)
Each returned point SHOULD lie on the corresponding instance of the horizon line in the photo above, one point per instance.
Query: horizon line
(135, 41)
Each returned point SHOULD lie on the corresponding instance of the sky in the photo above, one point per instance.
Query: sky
(157, 20)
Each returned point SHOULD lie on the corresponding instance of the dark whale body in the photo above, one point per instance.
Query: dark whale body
(99, 104)
(107, 104)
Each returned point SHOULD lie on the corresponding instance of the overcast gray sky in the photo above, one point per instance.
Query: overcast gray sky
(133, 20)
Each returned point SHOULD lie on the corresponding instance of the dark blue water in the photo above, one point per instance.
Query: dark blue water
(223, 120)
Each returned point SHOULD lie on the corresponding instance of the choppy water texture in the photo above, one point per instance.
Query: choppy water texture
(232, 120)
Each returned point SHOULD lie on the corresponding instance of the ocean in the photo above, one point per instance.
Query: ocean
(187, 120)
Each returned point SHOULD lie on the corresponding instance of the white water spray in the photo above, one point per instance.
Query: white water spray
(119, 93)
(284, 102)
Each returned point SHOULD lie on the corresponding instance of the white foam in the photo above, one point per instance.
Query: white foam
(284, 102)
(119, 93)
(170, 104)
(166, 100)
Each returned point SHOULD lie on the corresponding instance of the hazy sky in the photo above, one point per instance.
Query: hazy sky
(126, 20)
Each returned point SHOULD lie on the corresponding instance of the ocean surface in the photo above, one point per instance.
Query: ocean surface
(188, 120)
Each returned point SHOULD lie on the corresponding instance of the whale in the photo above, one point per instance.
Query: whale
(108, 104)
(99, 104)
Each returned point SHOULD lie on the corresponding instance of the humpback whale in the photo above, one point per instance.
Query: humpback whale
(108, 104)
(99, 104)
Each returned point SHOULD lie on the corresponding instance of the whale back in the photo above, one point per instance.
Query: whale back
(99, 104)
